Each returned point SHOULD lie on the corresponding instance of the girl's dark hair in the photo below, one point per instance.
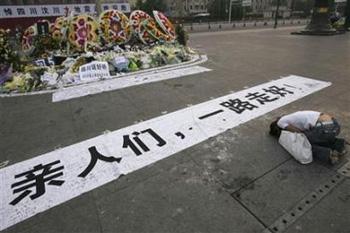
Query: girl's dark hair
(275, 130)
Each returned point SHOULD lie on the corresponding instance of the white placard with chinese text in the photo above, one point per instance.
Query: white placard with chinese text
(93, 71)
(35, 185)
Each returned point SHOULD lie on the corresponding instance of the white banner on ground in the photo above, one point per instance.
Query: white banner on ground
(23, 11)
(123, 82)
(35, 185)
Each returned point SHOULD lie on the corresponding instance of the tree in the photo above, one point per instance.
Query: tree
(179, 9)
(282, 2)
(150, 5)
(218, 9)
(139, 5)
(182, 36)
(303, 5)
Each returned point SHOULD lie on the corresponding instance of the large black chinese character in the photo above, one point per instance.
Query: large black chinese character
(8, 11)
(56, 10)
(33, 11)
(87, 8)
(210, 114)
(44, 10)
(38, 177)
(238, 106)
(20, 11)
(278, 91)
(77, 9)
(66, 11)
(95, 155)
(261, 98)
(127, 142)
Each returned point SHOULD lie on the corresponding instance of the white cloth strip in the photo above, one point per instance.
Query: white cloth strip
(35, 185)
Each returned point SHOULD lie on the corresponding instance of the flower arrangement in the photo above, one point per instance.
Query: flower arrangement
(53, 59)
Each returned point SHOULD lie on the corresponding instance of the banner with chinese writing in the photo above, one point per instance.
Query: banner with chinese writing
(35, 185)
(22, 11)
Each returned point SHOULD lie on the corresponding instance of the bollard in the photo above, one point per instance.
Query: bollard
(209, 27)
(244, 25)
(191, 27)
(254, 24)
(233, 25)
(219, 26)
(284, 22)
(265, 23)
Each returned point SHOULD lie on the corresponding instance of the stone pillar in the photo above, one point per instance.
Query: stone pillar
(320, 24)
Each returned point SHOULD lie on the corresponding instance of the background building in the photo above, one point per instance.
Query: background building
(181, 8)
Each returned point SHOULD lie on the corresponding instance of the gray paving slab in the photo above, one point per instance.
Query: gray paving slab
(330, 215)
(79, 215)
(270, 196)
(239, 156)
(282, 54)
(29, 129)
(145, 173)
(154, 99)
(95, 114)
(200, 88)
(179, 200)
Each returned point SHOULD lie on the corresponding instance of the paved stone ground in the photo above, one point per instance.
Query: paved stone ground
(239, 181)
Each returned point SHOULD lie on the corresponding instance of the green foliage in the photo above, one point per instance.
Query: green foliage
(34, 82)
(139, 5)
(218, 9)
(150, 5)
(8, 56)
(43, 44)
(182, 35)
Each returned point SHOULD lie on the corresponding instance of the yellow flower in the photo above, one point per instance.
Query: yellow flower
(17, 82)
